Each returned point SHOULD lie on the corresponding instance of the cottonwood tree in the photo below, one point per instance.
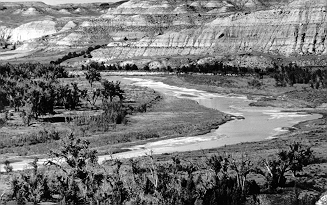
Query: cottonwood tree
(91, 97)
(92, 75)
(70, 98)
(16, 94)
(42, 98)
(111, 90)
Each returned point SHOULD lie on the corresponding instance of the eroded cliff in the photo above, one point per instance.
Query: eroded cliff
(154, 29)
(299, 28)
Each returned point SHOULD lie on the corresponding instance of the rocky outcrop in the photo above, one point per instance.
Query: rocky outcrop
(33, 30)
(23, 21)
(5, 33)
(159, 29)
(299, 28)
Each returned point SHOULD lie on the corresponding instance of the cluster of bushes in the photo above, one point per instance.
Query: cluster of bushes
(292, 74)
(76, 177)
(32, 70)
(101, 66)
(108, 90)
(284, 75)
(37, 90)
(34, 91)
(70, 55)
(29, 83)
(113, 113)
(218, 68)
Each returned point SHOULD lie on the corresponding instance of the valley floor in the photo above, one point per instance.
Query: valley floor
(174, 117)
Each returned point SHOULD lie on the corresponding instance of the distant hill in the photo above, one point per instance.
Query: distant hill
(157, 29)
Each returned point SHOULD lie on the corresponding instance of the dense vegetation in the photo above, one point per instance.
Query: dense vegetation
(37, 85)
(74, 176)
(284, 75)
(33, 84)
(85, 53)
(36, 92)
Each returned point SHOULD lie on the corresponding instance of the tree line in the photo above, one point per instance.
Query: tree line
(112, 67)
(293, 74)
(70, 55)
(284, 75)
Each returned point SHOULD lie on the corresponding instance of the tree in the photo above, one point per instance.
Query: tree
(16, 94)
(71, 96)
(111, 90)
(92, 75)
(3, 100)
(92, 97)
(42, 98)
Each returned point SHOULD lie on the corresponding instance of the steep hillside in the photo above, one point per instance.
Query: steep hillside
(153, 29)
(299, 28)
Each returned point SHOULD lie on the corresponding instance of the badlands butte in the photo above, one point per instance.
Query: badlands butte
(251, 32)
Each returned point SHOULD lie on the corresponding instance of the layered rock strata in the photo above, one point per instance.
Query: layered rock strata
(157, 29)
(299, 28)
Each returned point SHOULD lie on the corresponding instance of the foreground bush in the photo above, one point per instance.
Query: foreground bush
(75, 177)
(292, 160)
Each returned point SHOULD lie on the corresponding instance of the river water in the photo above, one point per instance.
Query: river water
(259, 123)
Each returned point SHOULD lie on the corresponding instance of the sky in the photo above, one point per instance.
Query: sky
(53, 2)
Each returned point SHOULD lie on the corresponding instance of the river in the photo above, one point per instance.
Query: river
(259, 123)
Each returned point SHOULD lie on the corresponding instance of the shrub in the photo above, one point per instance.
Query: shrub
(111, 90)
(114, 111)
(294, 159)
(30, 186)
(92, 76)
(8, 168)
(76, 183)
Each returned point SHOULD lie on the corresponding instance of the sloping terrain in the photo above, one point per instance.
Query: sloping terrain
(155, 30)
